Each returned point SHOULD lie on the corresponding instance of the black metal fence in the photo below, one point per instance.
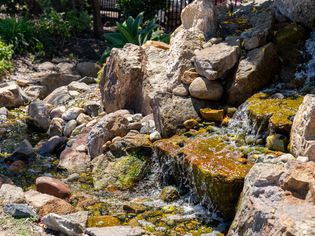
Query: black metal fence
(169, 15)
(109, 11)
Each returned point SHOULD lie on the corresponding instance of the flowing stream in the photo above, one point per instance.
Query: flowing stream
(186, 215)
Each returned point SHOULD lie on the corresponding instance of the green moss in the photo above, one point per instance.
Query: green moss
(102, 221)
(273, 113)
(129, 171)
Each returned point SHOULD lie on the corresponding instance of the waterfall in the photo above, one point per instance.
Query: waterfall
(307, 70)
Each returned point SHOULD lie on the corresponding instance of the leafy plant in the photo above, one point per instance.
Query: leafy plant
(6, 53)
(22, 34)
(134, 31)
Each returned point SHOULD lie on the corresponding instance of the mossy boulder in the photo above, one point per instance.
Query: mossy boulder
(123, 173)
(211, 165)
(272, 112)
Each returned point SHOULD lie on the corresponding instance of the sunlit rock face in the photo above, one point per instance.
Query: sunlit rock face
(277, 198)
(303, 129)
(200, 15)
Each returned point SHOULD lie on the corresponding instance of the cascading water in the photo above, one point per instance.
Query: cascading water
(307, 70)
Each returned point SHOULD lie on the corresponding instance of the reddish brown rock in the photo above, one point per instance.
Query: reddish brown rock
(75, 159)
(52, 187)
(45, 203)
(57, 206)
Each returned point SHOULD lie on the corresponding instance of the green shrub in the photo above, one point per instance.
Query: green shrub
(133, 31)
(63, 25)
(6, 53)
(22, 34)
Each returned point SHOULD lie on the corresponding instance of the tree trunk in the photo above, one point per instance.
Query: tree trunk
(97, 21)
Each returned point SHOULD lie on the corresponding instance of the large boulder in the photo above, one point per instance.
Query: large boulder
(11, 95)
(155, 79)
(200, 15)
(123, 173)
(214, 61)
(110, 126)
(122, 79)
(261, 33)
(209, 165)
(170, 112)
(303, 129)
(277, 198)
(302, 11)
(253, 73)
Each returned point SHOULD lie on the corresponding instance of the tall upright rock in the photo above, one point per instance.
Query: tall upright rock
(303, 129)
(200, 15)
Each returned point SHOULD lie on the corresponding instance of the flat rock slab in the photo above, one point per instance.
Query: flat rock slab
(213, 62)
(115, 231)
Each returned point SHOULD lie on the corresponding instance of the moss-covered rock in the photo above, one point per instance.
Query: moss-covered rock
(169, 194)
(102, 221)
(273, 113)
(277, 142)
(211, 164)
(123, 173)
(212, 114)
(191, 123)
